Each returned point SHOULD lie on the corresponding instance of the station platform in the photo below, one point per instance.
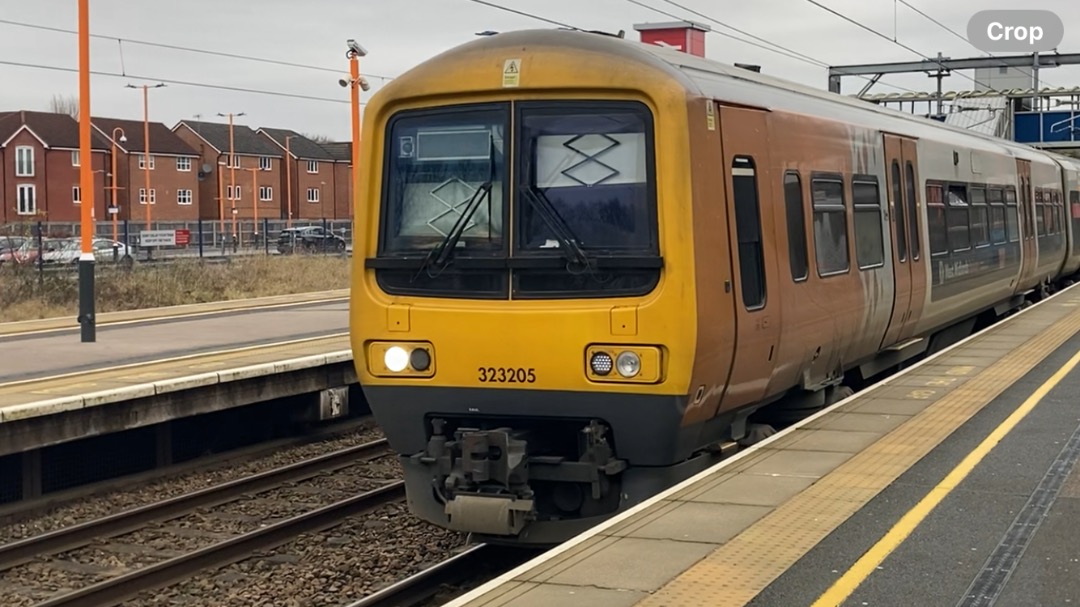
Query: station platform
(145, 369)
(952, 483)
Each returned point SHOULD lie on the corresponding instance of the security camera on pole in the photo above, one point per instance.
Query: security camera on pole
(355, 83)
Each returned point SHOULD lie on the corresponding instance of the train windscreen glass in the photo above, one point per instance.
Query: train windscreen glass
(441, 166)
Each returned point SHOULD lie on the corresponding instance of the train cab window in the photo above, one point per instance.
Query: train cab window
(898, 204)
(796, 226)
(830, 225)
(980, 229)
(748, 229)
(869, 242)
(1012, 220)
(935, 220)
(912, 212)
(958, 218)
(997, 215)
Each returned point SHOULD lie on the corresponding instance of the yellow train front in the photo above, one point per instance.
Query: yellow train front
(524, 314)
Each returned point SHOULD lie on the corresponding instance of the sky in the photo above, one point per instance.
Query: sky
(399, 34)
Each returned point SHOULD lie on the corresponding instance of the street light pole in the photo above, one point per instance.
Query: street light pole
(288, 180)
(255, 196)
(87, 321)
(115, 209)
(146, 142)
(232, 168)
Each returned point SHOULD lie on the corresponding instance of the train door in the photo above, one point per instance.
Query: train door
(901, 262)
(916, 261)
(1028, 239)
(749, 184)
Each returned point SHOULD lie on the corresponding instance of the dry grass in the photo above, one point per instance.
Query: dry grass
(22, 297)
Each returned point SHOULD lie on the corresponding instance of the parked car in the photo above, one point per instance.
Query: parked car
(310, 239)
(70, 250)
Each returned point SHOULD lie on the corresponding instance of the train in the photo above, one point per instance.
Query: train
(585, 267)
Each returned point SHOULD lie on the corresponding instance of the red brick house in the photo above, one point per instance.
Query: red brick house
(173, 169)
(255, 158)
(40, 180)
(311, 178)
(343, 175)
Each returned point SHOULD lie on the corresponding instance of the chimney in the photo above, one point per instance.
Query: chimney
(685, 36)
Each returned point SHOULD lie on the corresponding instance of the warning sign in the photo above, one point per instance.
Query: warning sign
(512, 73)
(710, 114)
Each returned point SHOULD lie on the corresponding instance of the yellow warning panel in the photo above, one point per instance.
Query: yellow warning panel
(512, 73)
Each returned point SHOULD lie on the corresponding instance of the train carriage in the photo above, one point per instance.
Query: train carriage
(583, 265)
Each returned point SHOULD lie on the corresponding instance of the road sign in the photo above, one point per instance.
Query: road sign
(157, 238)
(183, 238)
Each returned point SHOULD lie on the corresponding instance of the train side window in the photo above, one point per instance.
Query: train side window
(1040, 212)
(748, 229)
(980, 230)
(830, 225)
(1012, 220)
(869, 242)
(997, 216)
(1074, 212)
(796, 227)
(912, 212)
(898, 201)
(957, 218)
(935, 220)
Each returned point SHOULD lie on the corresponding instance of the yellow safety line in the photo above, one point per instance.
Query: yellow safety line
(867, 564)
(173, 359)
(176, 316)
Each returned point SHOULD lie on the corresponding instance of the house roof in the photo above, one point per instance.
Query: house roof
(245, 140)
(299, 146)
(162, 139)
(339, 150)
(54, 130)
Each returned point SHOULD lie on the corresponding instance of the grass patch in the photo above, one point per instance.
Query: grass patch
(25, 296)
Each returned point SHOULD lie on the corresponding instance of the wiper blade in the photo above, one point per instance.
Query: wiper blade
(439, 257)
(567, 240)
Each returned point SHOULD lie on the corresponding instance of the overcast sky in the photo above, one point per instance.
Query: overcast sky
(401, 33)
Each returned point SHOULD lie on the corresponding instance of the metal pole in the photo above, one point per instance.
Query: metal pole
(232, 175)
(255, 201)
(288, 179)
(86, 183)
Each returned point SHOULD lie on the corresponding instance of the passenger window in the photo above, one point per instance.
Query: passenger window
(912, 213)
(796, 226)
(830, 226)
(1012, 221)
(898, 202)
(869, 241)
(980, 232)
(997, 216)
(957, 219)
(1074, 211)
(748, 228)
(935, 218)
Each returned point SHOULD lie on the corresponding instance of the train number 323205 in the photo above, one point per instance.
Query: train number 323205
(506, 375)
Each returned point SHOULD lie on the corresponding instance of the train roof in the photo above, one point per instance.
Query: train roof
(708, 77)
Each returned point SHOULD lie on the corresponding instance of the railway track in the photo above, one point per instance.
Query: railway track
(80, 547)
(475, 565)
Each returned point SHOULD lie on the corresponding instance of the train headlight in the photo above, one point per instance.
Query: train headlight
(624, 363)
(396, 359)
(628, 364)
(601, 363)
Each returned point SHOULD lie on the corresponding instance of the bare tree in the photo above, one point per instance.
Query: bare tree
(68, 104)
(318, 138)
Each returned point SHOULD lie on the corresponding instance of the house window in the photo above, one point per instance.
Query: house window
(313, 195)
(313, 166)
(233, 162)
(24, 161)
(142, 196)
(75, 158)
(27, 199)
(266, 193)
(233, 192)
(76, 194)
(183, 197)
(264, 163)
(183, 164)
(142, 162)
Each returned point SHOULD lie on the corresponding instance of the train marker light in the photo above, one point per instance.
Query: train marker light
(420, 359)
(601, 363)
(628, 364)
(396, 359)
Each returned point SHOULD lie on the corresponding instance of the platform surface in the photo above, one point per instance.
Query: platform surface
(953, 483)
(51, 353)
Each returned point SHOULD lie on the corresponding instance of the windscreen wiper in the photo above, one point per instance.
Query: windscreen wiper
(568, 242)
(440, 256)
